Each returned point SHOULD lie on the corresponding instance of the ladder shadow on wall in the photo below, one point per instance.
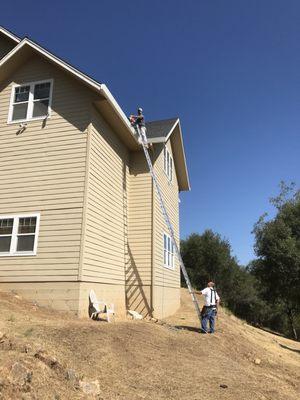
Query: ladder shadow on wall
(136, 297)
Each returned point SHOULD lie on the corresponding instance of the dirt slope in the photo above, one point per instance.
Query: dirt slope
(140, 360)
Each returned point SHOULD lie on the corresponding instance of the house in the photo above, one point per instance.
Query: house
(78, 210)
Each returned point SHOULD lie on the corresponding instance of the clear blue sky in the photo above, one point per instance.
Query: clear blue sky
(230, 69)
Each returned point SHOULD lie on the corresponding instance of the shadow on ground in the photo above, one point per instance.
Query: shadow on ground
(289, 348)
(189, 328)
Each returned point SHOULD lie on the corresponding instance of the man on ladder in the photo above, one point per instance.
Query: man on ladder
(139, 121)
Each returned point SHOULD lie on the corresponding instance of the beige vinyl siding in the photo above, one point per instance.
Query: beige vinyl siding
(139, 265)
(104, 245)
(162, 275)
(140, 220)
(6, 45)
(43, 170)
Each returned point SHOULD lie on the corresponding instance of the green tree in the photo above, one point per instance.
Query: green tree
(208, 257)
(277, 246)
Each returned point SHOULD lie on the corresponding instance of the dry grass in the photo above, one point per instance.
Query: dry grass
(144, 360)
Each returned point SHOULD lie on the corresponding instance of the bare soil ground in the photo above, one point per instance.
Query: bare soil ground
(44, 354)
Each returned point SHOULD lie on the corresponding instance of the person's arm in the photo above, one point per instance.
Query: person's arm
(133, 119)
(217, 300)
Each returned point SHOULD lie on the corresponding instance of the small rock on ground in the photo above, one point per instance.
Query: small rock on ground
(2, 337)
(71, 375)
(19, 374)
(51, 361)
(92, 387)
(223, 386)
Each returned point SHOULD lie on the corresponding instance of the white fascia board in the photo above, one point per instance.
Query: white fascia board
(110, 98)
(10, 35)
(184, 157)
(161, 139)
(174, 126)
(53, 58)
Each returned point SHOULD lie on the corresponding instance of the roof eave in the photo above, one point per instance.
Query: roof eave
(161, 139)
(128, 131)
(10, 35)
(184, 180)
(27, 42)
(114, 104)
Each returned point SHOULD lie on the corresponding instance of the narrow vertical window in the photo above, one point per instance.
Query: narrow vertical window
(26, 234)
(20, 103)
(41, 98)
(165, 249)
(168, 252)
(6, 230)
(168, 164)
(171, 169)
(172, 255)
(169, 245)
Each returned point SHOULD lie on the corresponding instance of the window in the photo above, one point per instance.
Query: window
(6, 228)
(19, 234)
(168, 164)
(168, 252)
(30, 101)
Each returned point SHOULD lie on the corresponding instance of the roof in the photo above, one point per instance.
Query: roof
(160, 129)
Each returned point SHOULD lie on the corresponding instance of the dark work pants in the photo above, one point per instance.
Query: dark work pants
(209, 316)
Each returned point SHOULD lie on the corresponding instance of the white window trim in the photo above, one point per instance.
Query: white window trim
(171, 267)
(167, 169)
(30, 102)
(14, 235)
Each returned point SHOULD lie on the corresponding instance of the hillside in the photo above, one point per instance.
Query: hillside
(47, 355)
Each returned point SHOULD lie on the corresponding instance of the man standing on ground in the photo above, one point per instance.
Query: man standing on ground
(210, 308)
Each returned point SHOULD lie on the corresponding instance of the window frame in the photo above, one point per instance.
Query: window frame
(170, 253)
(29, 116)
(14, 235)
(168, 164)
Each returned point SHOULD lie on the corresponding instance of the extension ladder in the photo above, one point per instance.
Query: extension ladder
(169, 224)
